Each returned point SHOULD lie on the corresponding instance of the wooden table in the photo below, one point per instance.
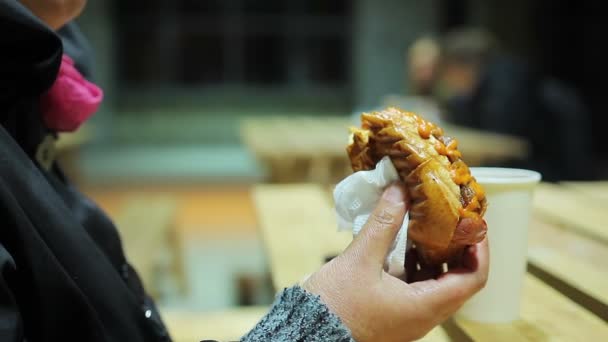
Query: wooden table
(227, 325)
(566, 289)
(146, 226)
(313, 149)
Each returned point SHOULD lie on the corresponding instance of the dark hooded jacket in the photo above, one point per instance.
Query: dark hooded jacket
(63, 273)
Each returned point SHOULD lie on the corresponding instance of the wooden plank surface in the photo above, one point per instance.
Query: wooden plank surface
(573, 259)
(297, 136)
(479, 147)
(293, 136)
(145, 225)
(230, 325)
(570, 209)
(305, 149)
(292, 218)
(546, 315)
(567, 242)
(227, 325)
(586, 277)
(595, 190)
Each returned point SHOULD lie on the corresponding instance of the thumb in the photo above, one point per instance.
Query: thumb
(380, 231)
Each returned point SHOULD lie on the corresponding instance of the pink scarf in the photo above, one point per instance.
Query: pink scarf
(71, 100)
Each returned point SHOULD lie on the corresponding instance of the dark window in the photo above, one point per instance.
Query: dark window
(189, 7)
(328, 60)
(201, 57)
(264, 58)
(265, 7)
(237, 43)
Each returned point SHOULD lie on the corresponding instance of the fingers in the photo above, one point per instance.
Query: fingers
(476, 229)
(470, 231)
(380, 231)
(452, 289)
(475, 259)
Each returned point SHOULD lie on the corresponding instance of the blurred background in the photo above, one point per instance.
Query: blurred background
(205, 98)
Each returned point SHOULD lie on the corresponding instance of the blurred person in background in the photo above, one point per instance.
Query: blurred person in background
(421, 66)
(422, 61)
(482, 86)
(63, 271)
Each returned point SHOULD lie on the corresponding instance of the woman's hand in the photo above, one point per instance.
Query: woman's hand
(378, 307)
(55, 13)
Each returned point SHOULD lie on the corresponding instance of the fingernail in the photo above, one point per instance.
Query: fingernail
(393, 194)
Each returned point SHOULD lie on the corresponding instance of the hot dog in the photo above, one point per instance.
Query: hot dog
(446, 202)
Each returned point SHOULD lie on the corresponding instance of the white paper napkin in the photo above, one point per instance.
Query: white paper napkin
(356, 197)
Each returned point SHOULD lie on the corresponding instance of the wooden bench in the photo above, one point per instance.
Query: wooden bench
(146, 228)
(290, 218)
(227, 325)
(298, 227)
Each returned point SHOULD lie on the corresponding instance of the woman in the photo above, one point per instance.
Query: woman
(63, 273)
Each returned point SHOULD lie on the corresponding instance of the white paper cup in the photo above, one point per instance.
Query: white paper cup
(509, 193)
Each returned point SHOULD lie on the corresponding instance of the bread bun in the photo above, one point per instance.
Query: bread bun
(447, 203)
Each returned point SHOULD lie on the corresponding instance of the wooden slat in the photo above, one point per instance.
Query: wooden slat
(572, 259)
(228, 325)
(292, 218)
(145, 225)
(293, 137)
(284, 144)
(480, 147)
(328, 135)
(585, 277)
(546, 313)
(546, 316)
(544, 234)
(595, 190)
(570, 209)
(299, 149)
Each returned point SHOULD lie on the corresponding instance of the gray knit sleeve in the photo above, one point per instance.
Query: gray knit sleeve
(297, 315)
